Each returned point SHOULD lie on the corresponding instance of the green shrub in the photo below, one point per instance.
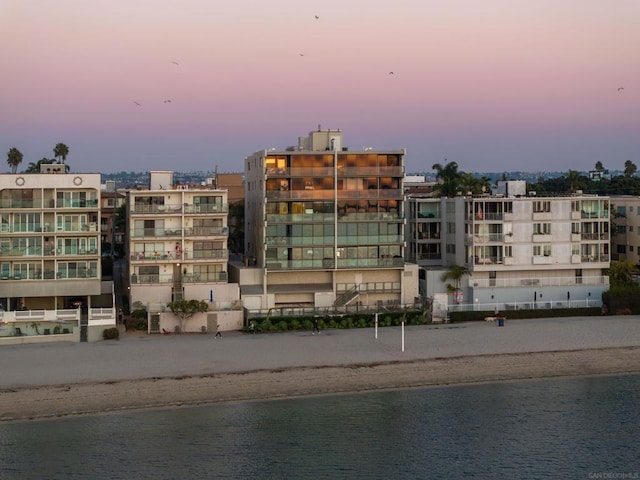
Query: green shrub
(111, 333)
(141, 325)
(295, 324)
(139, 314)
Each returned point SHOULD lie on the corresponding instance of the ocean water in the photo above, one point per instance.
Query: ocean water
(586, 427)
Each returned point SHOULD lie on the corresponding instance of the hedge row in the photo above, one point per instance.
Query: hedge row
(362, 320)
(390, 319)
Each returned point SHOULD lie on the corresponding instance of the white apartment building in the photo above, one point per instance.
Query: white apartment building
(50, 273)
(625, 228)
(524, 252)
(177, 249)
(324, 227)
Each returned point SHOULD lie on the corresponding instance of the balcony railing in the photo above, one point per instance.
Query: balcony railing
(183, 278)
(151, 257)
(594, 258)
(206, 208)
(595, 236)
(39, 204)
(342, 263)
(330, 217)
(330, 171)
(179, 232)
(370, 287)
(486, 238)
(428, 235)
(165, 208)
(487, 260)
(537, 282)
(429, 256)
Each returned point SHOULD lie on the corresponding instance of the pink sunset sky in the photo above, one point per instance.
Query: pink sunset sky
(495, 85)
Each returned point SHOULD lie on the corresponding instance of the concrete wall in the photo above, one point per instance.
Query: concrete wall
(228, 320)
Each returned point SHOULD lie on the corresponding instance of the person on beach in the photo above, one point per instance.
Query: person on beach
(316, 328)
(218, 332)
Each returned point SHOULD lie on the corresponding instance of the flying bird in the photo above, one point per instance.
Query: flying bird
(620, 88)
(302, 54)
(136, 103)
(167, 101)
(175, 63)
(390, 73)
(317, 17)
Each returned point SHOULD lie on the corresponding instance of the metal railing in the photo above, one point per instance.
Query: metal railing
(537, 282)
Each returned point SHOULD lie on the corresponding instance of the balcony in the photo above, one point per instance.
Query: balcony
(487, 260)
(156, 209)
(595, 258)
(538, 282)
(206, 208)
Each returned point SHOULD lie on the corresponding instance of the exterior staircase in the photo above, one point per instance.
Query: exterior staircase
(347, 297)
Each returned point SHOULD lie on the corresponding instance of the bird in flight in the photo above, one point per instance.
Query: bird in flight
(390, 73)
(317, 17)
(167, 101)
(136, 103)
(620, 88)
(175, 63)
(302, 54)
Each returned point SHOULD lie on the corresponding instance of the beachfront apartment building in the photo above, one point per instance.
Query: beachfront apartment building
(324, 227)
(177, 249)
(521, 251)
(50, 272)
(625, 228)
(111, 234)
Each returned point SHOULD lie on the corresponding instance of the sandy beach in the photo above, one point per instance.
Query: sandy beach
(141, 371)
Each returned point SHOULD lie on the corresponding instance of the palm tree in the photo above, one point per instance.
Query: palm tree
(455, 274)
(61, 151)
(629, 168)
(449, 178)
(574, 179)
(14, 158)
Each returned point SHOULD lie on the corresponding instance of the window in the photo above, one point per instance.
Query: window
(621, 249)
(508, 251)
(508, 207)
(541, 228)
(540, 206)
(451, 227)
(621, 211)
(575, 227)
(542, 250)
(451, 248)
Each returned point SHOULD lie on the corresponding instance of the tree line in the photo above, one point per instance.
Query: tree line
(453, 182)
(15, 157)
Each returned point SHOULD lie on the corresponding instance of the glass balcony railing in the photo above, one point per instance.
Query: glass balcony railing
(329, 263)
